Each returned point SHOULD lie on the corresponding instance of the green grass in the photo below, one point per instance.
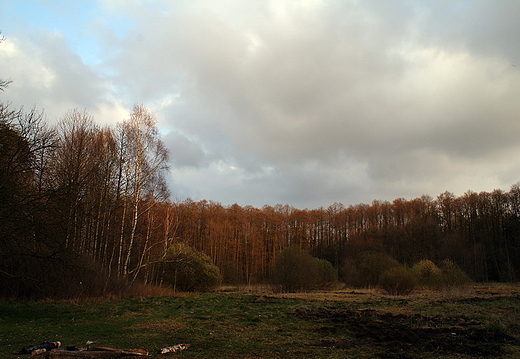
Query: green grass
(266, 325)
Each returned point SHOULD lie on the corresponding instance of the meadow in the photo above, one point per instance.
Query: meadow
(480, 321)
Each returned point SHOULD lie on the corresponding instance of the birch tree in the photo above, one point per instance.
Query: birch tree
(143, 161)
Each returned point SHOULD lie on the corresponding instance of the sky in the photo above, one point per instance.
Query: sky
(299, 102)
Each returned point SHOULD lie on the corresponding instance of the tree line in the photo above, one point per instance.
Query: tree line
(86, 208)
(478, 231)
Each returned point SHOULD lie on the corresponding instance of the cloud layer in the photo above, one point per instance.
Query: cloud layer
(299, 102)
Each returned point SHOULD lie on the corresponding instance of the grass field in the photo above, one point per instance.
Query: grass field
(481, 321)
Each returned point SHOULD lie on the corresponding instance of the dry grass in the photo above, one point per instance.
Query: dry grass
(148, 290)
(255, 322)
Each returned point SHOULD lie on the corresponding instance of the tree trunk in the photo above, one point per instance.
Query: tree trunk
(96, 353)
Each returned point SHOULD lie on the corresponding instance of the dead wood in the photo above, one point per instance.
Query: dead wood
(96, 353)
(125, 352)
(65, 354)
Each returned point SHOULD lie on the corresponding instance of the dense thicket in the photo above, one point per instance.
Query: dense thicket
(82, 206)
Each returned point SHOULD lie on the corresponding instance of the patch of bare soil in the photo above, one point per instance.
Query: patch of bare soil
(481, 299)
(405, 336)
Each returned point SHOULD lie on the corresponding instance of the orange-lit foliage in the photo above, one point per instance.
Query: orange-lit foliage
(479, 232)
(89, 204)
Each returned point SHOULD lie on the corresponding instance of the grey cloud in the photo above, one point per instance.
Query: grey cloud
(184, 152)
(316, 86)
(316, 102)
(73, 80)
(47, 74)
(487, 28)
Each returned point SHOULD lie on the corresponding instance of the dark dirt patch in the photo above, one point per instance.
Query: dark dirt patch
(477, 300)
(405, 336)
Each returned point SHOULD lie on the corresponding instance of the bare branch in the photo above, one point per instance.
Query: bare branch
(3, 83)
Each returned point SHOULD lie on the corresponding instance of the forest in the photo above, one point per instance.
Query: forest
(86, 209)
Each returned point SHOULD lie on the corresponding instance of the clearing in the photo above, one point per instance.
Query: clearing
(481, 321)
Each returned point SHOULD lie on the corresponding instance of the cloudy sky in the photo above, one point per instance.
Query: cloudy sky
(304, 103)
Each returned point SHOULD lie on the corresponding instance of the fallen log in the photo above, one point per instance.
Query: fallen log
(126, 352)
(85, 354)
(174, 348)
(96, 353)
(38, 349)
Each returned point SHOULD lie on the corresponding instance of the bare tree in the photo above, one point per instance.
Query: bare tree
(143, 160)
(73, 166)
(3, 83)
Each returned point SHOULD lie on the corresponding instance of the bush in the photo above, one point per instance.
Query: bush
(428, 274)
(296, 270)
(452, 275)
(327, 275)
(187, 269)
(366, 270)
(398, 281)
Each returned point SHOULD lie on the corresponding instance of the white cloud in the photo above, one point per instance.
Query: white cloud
(300, 85)
(300, 102)
(48, 75)
(110, 112)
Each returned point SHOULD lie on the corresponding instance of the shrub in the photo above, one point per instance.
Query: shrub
(367, 268)
(398, 281)
(294, 270)
(187, 269)
(428, 274)
(297, 270)
(452, 275)
(327, 275)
